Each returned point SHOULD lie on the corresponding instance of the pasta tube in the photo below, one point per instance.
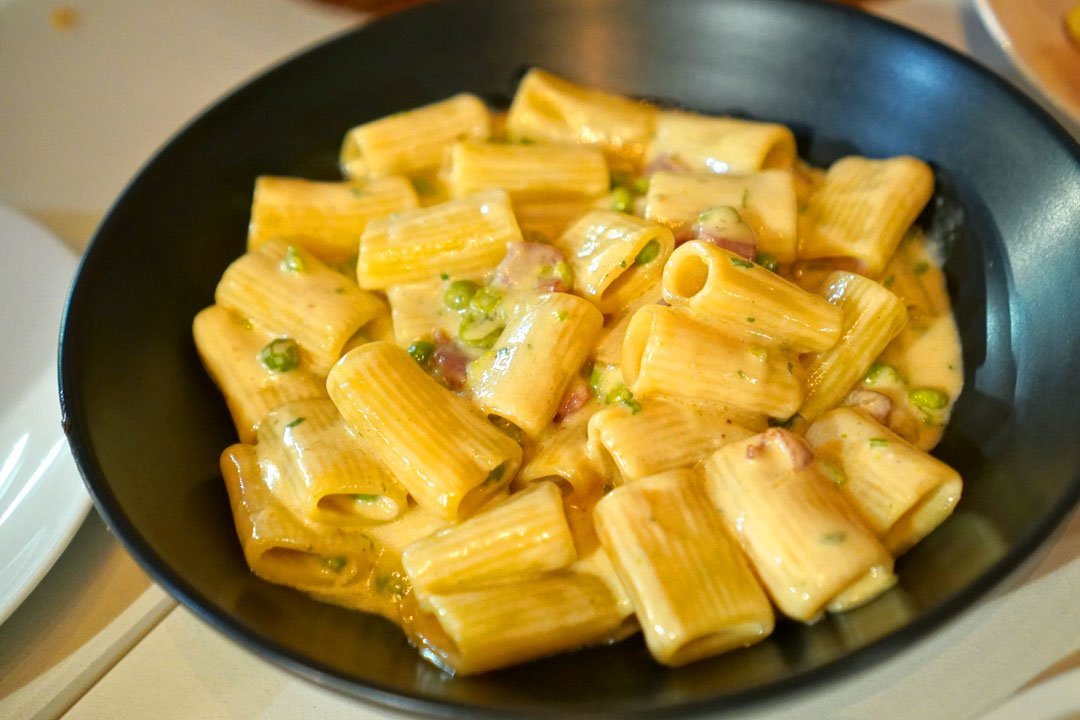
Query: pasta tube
(901, 492)
(527, 171)
(551, 109)
(718, 287)
(560, 455)
(873, 316)
(523, 378)
(523, 535)
(615, 257)
(809, 548)
(667, 433)
(432, 441)
(765, 201)
(326, 474)
(692, 589)
(863, 209)
(512, 623)
(460, 238)
(292, 294)
(278, 547)
(229, 346)
(668, 353)
(412, 142)
(721, 144)
(326, 218)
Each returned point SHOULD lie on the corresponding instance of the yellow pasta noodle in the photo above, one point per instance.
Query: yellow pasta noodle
(290, 293)
(326, 218)
(863, 209)
(692, 589)
(615, 257)
(668, 353)
(551, 109)
(521, 536)
(765, 200)
(721, 144)
(449, 458)
(411, 142)
(901, 492)
(719, 287)
(461, 238)
(229, 346)
(527, 171)
(807, 545)
(872, 318)
(523, 378)
(560, 454)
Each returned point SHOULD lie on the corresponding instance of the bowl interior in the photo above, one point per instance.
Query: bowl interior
(146, 424)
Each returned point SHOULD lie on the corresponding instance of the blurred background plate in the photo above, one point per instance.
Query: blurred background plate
(42, 498)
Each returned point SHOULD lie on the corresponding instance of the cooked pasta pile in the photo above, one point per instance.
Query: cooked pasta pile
(533, 381)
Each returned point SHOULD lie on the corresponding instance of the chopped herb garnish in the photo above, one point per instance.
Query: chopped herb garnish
(293, 261)
(242, 321)
(767, 261)
(526, 141)
(879, 442)
(620, 393)
(759, 352)
(459, 294)
(833, 472)
(339, 291)
(281, 355)
(790, 368)
(888, 283)
(634, 405)
(358, 192)
(921, 267)
(834, 537)
(495, 475)
(561, 315)
(444, 276)
(335, 564)
(421, 351)
(741, 374)
(608, 487)
(565, 273)
(622, 263)
(648, 253)
(749, 319)
(423, 186)
(745, 196)
(296, 422)
(640, 185)
(928, 399)
(366, 498)
(621, 200)
(782, 423)
(740, 263)
(390, 584)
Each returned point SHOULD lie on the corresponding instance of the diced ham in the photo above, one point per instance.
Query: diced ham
(665, 163)
(528, 262)
(876, 405)
(450, 363)
(697, 231)
(573, 399)
(798, 452)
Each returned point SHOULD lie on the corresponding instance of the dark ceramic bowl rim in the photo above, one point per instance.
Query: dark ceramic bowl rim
(855, 661)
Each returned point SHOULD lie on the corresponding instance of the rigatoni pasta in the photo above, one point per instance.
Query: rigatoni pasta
(557, 396)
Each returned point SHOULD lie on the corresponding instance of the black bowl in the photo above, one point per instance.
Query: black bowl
(146, 425)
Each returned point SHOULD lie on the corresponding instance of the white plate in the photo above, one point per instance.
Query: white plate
(1032, 33)
(42, 498)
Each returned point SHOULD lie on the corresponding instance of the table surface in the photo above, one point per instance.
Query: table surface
(92, 89)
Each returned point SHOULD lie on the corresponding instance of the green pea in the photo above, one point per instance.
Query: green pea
(640, 185)
(767, 261)
(880, 371)
(479, 330)
(619, 393)
(485, 299)
(648, 253)
(335, 564)
(281, 355)
(421, 351)
(621, 200)
(459, 294)
(928, 399)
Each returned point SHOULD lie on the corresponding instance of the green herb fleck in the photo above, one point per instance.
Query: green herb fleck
(526, 141)
(889, 281)
(365, 498)
(423, 186)
(335, 564)
(749, 319)
(879, 442)
(834, 538)
(459, 294)
(339, 291)
(833, 472)
(745, 196)
(390, 584)
(608, 487)
(280, 355)
(358, 192)
(561, 315)
(421, 351)
(444, 276)
(741, 374)
(293, 261)
(767, 261)
(296, 422)
(740, 263)
(621, 199)
(622, 263)
(648, 253)
(928, 399)
(782, 423)
(640, 185)
(790, 368)
(565, 273)
(759, 352)
(496, 474)
(921, 267)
